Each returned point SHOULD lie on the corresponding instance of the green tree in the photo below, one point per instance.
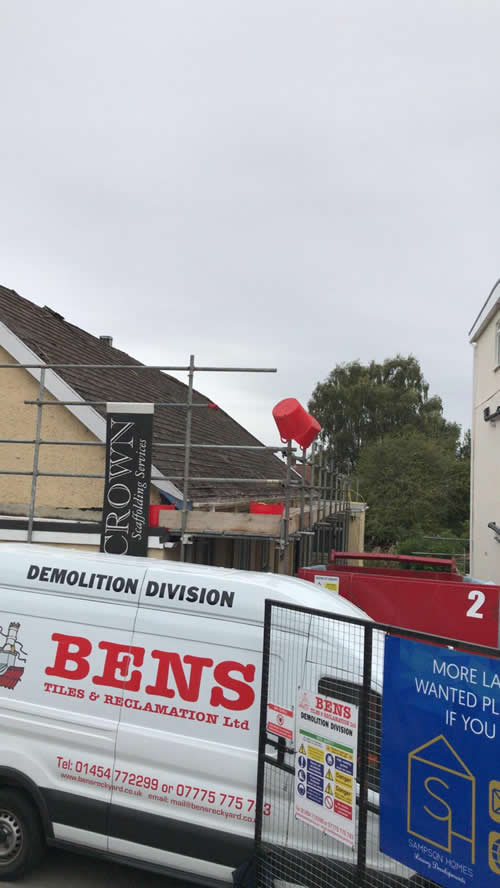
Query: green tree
(409, 481)
(446, 543)
(361, 403)
(459, 488)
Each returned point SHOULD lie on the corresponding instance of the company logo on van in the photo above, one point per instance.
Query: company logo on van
(176, 675)
(191, 594)
(12, 657)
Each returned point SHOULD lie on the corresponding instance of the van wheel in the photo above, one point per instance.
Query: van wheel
(21, 840)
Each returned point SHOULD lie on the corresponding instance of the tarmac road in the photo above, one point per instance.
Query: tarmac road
(61, 869)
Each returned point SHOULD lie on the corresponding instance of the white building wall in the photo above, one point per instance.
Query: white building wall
(485, 470)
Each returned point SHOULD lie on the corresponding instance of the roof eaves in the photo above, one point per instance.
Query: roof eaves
(487, 311)
(62, 391)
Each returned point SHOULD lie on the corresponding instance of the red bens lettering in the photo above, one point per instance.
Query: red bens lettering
(246, 694)
(188, 691)
(333, 708)
(173, 679)
(64, 656)
(113, 665)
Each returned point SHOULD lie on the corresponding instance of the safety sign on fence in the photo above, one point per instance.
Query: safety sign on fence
(326, 737)
(280, 721)
(440, 772)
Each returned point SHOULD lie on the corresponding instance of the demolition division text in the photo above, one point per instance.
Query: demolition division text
(108, 583)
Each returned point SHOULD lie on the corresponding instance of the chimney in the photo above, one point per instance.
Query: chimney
(12, 634)
(106, 340)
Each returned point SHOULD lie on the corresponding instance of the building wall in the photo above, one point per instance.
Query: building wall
(55, 497)
(88, 547)
(485, 470)
(18, 420)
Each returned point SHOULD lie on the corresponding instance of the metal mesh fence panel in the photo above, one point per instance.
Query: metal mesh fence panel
(342, 659)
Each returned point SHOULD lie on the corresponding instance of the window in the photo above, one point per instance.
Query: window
(351, 693)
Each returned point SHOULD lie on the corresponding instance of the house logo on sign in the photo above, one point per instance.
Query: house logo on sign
(441, 797)
(12, 657)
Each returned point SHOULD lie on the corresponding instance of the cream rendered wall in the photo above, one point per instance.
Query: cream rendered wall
(55, 497)
(485, 469)
(152, 553)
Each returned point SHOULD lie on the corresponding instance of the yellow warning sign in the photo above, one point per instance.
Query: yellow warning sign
(342, 794)
(302, 750)
(341, 753)
(328, 775)
(316, 754)
(344, 780)
(328, 789)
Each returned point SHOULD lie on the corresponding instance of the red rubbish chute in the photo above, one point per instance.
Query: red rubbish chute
(295, 423)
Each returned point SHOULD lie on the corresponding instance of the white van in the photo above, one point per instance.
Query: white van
(129, 707)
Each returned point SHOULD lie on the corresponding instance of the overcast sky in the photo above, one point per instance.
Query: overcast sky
(260, 182)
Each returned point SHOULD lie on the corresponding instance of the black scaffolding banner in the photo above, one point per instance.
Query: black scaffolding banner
(125, 517)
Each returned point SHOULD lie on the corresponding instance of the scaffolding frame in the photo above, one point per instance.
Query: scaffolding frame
(327, 492)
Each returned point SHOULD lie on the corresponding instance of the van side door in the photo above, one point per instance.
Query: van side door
(187, 743)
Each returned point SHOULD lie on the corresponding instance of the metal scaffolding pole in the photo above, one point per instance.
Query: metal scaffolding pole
(36, 458)
(303, 538)
(187, 456)
(226, 480)
(285, 522)
(317, 539)
(172, 369)
(269, 448)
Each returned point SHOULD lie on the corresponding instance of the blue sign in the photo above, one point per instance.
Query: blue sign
(343, 765)
(315, 767)
(440, 766)
(315, 782)
(314, 795)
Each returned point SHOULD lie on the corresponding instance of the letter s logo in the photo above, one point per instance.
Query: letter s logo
(446, 816)
(246, 694)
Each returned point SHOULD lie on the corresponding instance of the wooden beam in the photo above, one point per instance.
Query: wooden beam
(223, 522)
(236, 522)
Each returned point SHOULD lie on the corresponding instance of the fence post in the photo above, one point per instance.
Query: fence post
(36, 456)
(264, 690)
(364, 706)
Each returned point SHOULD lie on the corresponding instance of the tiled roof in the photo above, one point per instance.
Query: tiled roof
(55, 340)
(11, 677)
